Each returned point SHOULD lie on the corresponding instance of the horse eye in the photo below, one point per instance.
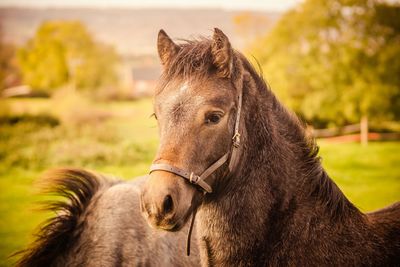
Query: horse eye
(213, 118)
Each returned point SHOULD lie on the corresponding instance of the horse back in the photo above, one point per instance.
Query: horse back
(386, 224)
(98, 223)
(116, 234)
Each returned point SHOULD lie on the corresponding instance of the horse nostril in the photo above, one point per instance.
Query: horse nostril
(168, 204)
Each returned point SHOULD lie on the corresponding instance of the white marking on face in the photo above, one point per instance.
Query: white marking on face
(183, 94)
(184, 87)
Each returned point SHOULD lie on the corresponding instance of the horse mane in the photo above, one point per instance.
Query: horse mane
(56, 235)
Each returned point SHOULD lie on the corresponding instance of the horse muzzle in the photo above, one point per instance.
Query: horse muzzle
(165, 201)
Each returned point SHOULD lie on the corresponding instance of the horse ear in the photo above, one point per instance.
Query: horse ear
(167, 49)
(222, 54)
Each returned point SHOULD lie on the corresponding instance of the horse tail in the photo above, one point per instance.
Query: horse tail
(57, 234)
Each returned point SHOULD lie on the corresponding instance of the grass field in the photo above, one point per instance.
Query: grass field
(120, 139)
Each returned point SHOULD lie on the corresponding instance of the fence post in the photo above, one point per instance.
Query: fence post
(364, 130)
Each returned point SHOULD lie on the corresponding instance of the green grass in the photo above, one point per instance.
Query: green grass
(369, 176)
(120, 139)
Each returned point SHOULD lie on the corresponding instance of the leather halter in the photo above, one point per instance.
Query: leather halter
(200, 180)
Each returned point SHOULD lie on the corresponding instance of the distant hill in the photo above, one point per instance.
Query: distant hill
(132, 31)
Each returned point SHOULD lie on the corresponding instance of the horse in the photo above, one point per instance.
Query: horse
(231, 153)
(97, 223)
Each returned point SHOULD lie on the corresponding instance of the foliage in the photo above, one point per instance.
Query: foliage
(64, 51)
(41, 120)
(72, 132)
(249, 24)
(9, 74)
(336, 61)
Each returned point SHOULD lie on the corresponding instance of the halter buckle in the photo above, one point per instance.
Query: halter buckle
(236, 139)
(193, 178)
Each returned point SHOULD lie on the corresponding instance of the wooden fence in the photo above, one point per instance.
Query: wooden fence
(351, 133)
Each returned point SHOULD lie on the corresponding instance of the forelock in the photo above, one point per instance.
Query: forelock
(194, 58)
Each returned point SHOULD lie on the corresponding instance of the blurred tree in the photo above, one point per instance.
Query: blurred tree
(337, 61)
(9, 73)
(64, 51)
(250, 25)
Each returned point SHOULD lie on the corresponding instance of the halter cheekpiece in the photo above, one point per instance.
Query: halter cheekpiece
(200, 180)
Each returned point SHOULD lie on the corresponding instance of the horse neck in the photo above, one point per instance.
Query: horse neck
(281, 156)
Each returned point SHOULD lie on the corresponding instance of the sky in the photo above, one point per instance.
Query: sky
(273, 5)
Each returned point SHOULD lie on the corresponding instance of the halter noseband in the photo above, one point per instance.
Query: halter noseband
(200, 179)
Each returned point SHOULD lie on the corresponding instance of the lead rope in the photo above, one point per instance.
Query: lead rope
(190, 233)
